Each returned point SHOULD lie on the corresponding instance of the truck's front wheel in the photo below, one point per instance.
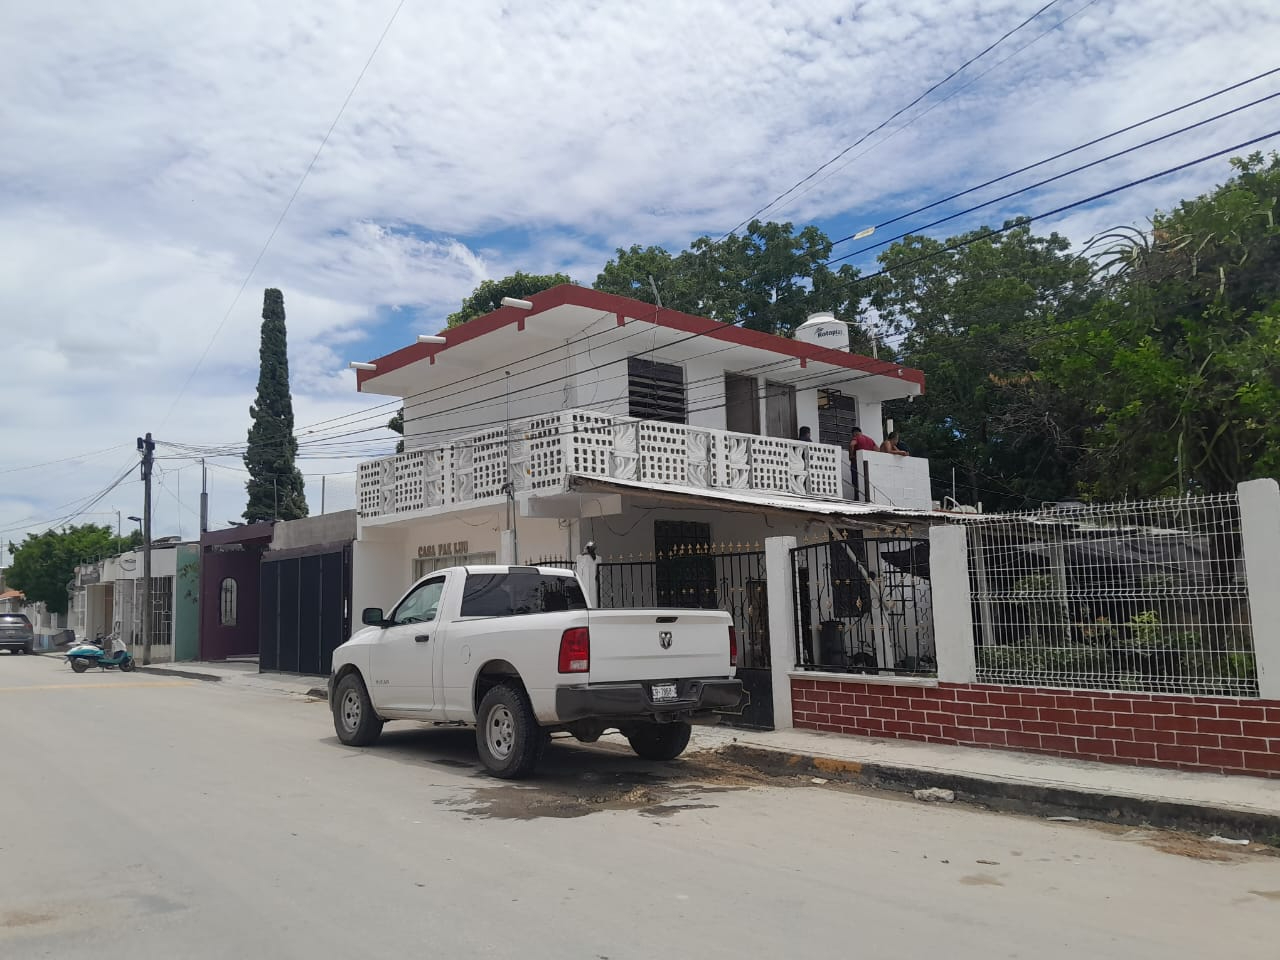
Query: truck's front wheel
(508, 737)
(659, 741)
(354, 719)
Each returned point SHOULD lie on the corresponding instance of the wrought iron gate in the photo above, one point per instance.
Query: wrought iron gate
(305, 610)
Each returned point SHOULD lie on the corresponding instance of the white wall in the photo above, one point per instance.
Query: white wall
(631, 532)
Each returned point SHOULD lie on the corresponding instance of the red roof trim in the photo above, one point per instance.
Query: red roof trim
(606, 303)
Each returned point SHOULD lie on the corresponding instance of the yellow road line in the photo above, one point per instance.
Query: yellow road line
(102, 686)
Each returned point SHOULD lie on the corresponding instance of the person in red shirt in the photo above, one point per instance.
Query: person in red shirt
(859, 441)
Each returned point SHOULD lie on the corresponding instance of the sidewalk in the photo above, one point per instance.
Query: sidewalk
(244, 673)
(1238, 807)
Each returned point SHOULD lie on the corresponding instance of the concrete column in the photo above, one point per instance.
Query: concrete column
(782, 625)
(1260, 536)
(952, 607)
(507, 548)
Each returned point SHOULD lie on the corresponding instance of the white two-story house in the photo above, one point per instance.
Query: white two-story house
(666, 440)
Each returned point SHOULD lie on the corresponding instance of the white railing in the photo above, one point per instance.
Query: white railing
(545, 450)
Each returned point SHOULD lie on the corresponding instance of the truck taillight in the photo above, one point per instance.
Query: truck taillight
(575, 650)
(733, 646)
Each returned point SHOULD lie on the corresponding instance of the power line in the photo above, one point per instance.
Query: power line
(284, 213)
(892, 117)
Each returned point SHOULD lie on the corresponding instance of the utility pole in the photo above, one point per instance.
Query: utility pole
(204, 498)
(323, 478)
(147, 447)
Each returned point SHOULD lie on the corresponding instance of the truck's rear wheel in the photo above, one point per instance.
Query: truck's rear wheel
(659, 741)
(508, 737)
(354, 719)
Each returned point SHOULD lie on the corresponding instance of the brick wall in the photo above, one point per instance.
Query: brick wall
(1217, 734)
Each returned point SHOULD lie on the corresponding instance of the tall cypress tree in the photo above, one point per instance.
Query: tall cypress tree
(275, 485)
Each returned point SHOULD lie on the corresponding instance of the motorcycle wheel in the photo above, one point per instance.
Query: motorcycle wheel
(79, 666)
(126, 665)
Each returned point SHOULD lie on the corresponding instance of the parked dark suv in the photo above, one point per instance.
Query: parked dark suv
(16, 634)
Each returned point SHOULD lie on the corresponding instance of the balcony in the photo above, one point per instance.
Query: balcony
(546, 450)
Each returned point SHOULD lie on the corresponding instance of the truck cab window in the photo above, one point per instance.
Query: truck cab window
(420, 606)
(517, 594)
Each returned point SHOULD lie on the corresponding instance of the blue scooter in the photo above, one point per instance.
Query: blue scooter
(91, 654)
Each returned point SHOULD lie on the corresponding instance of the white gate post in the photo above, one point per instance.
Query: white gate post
(952, 609)
(782, 625)
(1260, 538)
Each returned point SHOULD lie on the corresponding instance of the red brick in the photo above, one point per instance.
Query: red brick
(1058, 716)
(1172, 754)
(1243, 713)
(938, 717)
(1194, 709)
(897, 726)
(1073, 701)
(897, 703)
(882, 713)
(842, 698)
(911, 716)
(1003, 723)
(989, 709)
(971, 696)
(963, 709)
(1139, 751)
(1157, 736)
(1095, 718)
(1025, 740)
(944, 693)
(1230, 759)
(926, 730)
(1230, 727)
(1270, 731)
(922, 704)
(817, 696)
(1262, 762)
(1247, 744)
(1159, 707)
(1188, 724)
(1022, 713)
(1198, 739)
(1273, 714)
(1041, 701)
(868, 699)
(990, 737)
(1076, 730)
(1065, 744)
(955, 734)
(872, 725)
(978, 723)
(853, 710)
(1009, 699)
(1037, 726)
(1137, 721)
(801, 684)
(1097, 748)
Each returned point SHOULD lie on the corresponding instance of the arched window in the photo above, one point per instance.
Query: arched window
(228, 616)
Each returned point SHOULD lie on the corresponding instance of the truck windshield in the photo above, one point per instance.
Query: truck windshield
(517, 594)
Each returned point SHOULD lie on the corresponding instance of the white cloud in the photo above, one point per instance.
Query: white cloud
(158, 143)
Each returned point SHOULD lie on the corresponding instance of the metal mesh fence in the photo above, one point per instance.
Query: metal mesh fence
(1147, 596)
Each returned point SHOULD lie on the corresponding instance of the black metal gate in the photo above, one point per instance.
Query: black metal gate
(864, 605)
(305, 609)
(694, 576)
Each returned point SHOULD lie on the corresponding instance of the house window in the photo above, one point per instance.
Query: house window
(228, 603)
(656, 390)
(837, 416)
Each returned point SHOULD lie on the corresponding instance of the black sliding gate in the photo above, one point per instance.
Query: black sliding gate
(305, 609)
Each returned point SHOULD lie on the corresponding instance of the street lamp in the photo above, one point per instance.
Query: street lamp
(138, 521)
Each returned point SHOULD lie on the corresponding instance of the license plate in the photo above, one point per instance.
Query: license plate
(665, 691)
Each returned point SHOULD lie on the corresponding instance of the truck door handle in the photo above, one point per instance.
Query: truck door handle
(421, 638)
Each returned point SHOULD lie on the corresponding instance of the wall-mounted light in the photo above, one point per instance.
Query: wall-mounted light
(425, 338)
(357, 365)
(519, 304)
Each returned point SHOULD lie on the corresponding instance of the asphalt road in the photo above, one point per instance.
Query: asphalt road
(145, 817)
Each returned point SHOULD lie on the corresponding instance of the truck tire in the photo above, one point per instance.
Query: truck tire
(659, 741)
(354, 719)
(508, 738)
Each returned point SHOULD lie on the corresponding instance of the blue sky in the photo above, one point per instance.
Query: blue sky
(159, 143)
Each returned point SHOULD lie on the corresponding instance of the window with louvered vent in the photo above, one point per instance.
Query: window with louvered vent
(656, 391)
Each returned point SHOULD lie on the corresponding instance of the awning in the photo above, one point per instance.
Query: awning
(845, 512)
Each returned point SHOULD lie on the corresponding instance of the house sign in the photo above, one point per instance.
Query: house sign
(459, 548)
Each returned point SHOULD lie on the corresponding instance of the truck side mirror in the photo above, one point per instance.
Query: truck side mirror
(372, 617)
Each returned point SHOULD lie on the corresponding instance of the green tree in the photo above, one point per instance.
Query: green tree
(769, 278)
(1180, 361)
(275, 485)
(488, 296)
(968, 311)
(44, 564)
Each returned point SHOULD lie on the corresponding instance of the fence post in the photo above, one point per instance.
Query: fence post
(782, 625)
(952, 608)
(1260, 538)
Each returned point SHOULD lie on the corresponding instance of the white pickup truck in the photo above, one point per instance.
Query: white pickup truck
(516, 653)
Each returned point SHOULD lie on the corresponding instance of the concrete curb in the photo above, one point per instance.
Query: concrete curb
(186, 674)
(1011, 796)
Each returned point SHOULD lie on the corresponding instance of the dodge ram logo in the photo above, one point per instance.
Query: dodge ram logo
(664, 639)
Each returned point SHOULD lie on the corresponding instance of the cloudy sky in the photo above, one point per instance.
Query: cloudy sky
(150, 148)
